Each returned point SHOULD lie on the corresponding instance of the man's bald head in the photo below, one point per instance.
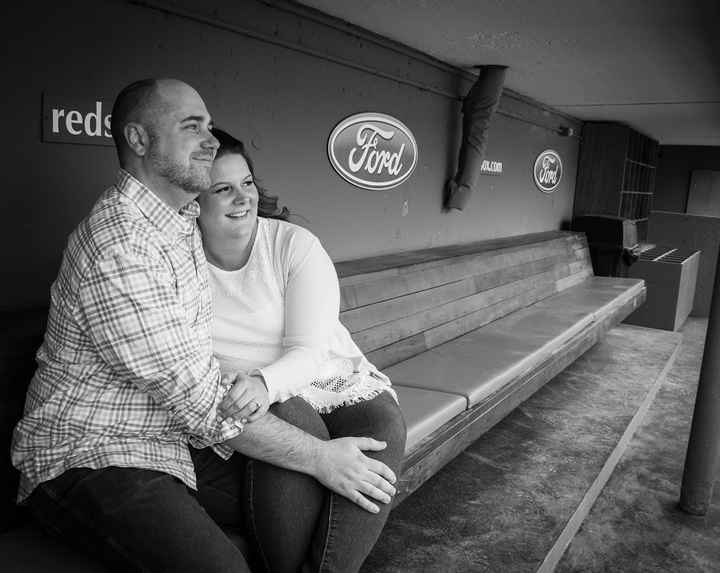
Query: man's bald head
(140, 102)
(162, 131)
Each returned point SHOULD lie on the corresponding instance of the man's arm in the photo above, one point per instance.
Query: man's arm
(129, 307)
(339, 464)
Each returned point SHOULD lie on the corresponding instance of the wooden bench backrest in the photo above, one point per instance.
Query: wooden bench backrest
(398, 306)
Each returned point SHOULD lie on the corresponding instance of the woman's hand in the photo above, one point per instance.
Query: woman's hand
(246, 401)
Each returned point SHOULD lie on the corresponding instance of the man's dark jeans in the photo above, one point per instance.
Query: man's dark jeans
(142, 520)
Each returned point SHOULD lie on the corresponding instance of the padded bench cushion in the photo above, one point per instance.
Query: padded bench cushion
(426, 410)
(481, 362)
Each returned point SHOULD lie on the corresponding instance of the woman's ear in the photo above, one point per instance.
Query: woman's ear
(137, 138)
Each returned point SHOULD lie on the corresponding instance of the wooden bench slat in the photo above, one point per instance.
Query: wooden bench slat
(451, 330)
(430, 337)
(389, 332)
(378, 290)
(409, 347)
(359, 269)
(560, 245)
(564, 245)
(365, 317)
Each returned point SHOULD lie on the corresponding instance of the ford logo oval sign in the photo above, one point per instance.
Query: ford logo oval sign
(372, 151)
(547, 171)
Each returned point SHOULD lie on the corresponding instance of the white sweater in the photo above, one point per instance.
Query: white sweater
(279, 315)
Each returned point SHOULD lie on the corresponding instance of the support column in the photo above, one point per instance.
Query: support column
(703, 453)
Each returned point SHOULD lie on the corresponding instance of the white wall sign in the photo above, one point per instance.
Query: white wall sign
(373, 151)
(547, 171)
(76, 120)
(489, 167)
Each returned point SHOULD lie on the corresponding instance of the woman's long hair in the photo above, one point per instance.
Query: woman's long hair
(267, 203)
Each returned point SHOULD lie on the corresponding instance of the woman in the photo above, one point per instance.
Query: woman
(276, 306)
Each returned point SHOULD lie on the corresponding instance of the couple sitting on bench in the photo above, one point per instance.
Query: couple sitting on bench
(184, 386)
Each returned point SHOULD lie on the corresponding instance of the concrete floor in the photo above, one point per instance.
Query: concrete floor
(592, 462)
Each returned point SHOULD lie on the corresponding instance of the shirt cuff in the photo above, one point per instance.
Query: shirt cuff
(225, 430)
(223, 450)
(272, 393)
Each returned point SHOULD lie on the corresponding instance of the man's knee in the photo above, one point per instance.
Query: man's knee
(299, 413)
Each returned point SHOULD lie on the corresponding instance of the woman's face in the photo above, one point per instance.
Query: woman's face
(230, 206)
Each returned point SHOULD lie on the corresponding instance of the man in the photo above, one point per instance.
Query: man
(123, 449)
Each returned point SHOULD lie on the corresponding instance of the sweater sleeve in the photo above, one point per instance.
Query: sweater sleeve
(311, 308)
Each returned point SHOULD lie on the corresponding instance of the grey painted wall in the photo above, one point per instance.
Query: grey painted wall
(280, 80)
(675, 165)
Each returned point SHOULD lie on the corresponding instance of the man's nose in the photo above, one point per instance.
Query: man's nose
(211, 142)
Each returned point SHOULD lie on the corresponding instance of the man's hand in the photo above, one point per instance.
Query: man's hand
(246, 401)
(343, 468)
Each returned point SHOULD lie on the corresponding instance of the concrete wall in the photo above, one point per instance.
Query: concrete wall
(675, 166)
(281, 78)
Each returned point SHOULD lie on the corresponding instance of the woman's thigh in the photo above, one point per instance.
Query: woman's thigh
(379, 418)
(348, 533)
(283, 505)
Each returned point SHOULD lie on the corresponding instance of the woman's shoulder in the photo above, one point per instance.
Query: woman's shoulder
(288, 235)
(289, 242)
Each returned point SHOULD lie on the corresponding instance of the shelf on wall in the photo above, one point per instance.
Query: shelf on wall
(616, 173)
(648, 165)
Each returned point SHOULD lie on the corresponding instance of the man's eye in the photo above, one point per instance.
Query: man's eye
(192, 127)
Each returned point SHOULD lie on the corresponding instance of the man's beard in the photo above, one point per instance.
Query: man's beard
(194, 179)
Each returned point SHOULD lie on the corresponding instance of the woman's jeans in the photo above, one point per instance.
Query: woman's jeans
(144, 520)
(297, 523)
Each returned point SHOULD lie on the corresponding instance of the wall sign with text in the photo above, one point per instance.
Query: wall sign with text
(548, 171)
(76, 120)
(373, 151)
(488, 167)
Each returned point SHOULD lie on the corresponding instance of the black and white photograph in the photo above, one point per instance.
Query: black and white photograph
(361, 286)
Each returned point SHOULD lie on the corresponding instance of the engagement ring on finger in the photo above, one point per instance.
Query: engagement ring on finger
(256, 405)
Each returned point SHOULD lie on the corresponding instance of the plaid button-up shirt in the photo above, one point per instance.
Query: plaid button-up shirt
(125, 374)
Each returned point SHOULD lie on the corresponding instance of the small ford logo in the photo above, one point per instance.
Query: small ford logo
(548, 171)
(372, 151)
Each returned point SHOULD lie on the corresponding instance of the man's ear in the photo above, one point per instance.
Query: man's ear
(137, 138)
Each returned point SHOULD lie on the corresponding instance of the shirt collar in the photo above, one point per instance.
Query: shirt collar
(174, 224)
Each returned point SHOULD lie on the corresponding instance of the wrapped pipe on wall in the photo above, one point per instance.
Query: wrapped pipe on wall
(478, 107)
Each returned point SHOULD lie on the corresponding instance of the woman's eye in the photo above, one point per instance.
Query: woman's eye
(222, 189)
(249, 183)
